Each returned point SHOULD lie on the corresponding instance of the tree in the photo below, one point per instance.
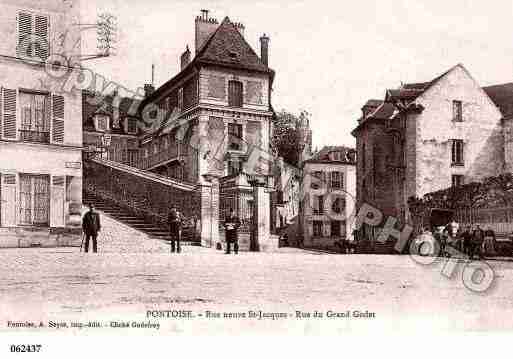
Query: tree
(286, 137)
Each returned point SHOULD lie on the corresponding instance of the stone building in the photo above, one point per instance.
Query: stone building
(210, 126)
(327, 197)
(110, 129)
(429, 136)
(40, 124)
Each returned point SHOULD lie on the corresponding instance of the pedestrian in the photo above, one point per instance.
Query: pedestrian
(231, 225)
(91, 226)
(466, 237)
(489, 242)
(477, 242)
(175, 229)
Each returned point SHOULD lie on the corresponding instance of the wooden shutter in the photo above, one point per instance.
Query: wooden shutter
(57, 200)
(24, 48)
(9, 114)
(58, 118)
(41, 32)
(8, 200)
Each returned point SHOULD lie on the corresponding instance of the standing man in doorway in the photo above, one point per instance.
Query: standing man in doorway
(231, 225)
(91, 226)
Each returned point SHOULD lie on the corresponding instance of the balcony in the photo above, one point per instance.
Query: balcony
(35, 136)
(173, 152)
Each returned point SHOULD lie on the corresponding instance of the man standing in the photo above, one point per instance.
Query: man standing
(231, 224)
(477, 242)
(91, 226)
(175, 229)
(466, 238)
(489, 242)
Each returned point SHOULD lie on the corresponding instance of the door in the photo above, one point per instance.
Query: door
(8, 200)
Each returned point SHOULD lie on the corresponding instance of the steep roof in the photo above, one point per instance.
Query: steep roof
(226, 46)
(322, 156)
(502, 97)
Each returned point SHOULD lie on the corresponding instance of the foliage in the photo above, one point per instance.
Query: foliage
(286, 137)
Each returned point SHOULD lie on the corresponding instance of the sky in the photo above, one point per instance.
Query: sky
(329, 56)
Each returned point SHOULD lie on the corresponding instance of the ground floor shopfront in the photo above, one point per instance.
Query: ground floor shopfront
(41, 195)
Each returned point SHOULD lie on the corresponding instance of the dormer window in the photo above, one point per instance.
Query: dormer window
(233, 55)
(102, 123)
(336, 156)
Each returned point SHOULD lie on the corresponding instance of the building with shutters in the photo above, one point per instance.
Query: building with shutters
(328, 197)
(40, 124)
(428, 136)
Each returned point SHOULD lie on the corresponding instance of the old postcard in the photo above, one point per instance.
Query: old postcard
(271, 167)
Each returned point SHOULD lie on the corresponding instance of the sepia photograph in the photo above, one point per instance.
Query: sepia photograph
(308, 168)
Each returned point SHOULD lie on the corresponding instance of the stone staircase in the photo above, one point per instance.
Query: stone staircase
(138, 223)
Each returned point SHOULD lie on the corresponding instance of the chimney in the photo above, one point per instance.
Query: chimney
(148, 90)
(264, 49)
(185, 59)
(239, 26)
(205, 26)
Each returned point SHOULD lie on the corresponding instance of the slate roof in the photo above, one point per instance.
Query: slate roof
(225, 47)
(322, 156)
(502, 96)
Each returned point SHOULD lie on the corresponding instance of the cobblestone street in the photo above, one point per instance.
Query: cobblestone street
(133, 274)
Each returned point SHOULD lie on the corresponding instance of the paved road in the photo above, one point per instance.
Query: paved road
(133, 274)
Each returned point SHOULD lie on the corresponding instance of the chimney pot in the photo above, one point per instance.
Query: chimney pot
(264, 49)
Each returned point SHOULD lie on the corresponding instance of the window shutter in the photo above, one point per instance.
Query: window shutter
(41, 31)
(8, 200)
(9, 114)
(58, 118)
(24, 48)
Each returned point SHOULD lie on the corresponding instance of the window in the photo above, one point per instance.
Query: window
(33, 36)
(457, 111)
(335, 228)
(319, 205)
(457, 153)
(35, 117)
(235, 93)
(235, 136)
(336, 180)
(457, 180)
(131, 126)
(317, 228)
(234, 167)
(34, 200)
(102, 122)
(180, 98)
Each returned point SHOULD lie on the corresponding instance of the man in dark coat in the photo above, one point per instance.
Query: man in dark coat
(231, 225)
(91, 226)
(175, 229)
(466, 238)
(477, 242)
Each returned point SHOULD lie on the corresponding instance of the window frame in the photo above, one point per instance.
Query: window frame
(33, 14)
(457, 152)
(320, 226)
(97, 117)
(237, 101)
(457, 111)
(457, 180)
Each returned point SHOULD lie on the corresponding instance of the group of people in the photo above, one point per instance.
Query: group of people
(91, 227)
(176, 220)
(471, 242)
